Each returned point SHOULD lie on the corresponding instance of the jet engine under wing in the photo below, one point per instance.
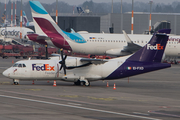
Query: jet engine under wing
(36, 37)
(40, 37)
(131, 47)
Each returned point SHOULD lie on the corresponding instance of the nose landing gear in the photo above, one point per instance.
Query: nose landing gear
(15, 82)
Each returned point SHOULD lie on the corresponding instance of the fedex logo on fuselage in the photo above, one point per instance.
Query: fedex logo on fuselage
(44, 67)
(156, 47)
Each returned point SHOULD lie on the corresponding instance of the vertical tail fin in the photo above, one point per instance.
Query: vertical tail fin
(154, 50)
(25, 20)
(44, 24)
(80, 10)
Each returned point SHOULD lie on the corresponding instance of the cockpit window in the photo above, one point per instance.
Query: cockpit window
(15, 65)
(24, 65)
(20, 65)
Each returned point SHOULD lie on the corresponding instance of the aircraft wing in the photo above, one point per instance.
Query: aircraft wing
(86, 60)
(93, 61)
(131, 47)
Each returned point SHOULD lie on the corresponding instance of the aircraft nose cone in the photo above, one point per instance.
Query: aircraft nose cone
(5, 73)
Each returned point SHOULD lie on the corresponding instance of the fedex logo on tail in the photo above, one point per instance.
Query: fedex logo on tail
(156, 47)
(44, 67)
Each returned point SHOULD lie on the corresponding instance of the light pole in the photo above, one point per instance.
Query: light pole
(21, 22)
(150, 2)
(112, 7)
(132, 19)
(121, 18)
(56, 11)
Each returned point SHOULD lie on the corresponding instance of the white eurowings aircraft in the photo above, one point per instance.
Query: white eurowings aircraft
(84, 70)
(14, 32)
(49, 33)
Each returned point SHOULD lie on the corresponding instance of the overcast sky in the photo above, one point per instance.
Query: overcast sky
(78, 2)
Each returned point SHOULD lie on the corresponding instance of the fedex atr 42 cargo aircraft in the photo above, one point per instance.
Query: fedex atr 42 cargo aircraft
(84, 70)
(49, 33)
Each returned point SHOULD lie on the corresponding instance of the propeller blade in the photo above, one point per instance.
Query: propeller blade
(61, 67)
(65, 58)
(62, 62)
(64, 67)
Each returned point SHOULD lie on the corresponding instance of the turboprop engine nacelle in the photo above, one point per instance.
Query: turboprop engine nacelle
(74, 62)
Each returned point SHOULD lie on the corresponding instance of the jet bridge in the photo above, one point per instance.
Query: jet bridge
(159, 25)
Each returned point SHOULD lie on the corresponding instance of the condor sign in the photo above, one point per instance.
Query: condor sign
(14, 32)
(9, 33)
(156, 47)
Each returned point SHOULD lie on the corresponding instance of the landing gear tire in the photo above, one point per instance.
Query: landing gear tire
(86, 83)
(15, 82)
(77, 83)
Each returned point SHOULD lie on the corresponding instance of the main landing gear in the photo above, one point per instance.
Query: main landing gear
(82, 81)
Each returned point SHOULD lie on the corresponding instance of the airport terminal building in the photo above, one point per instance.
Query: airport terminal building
(102, 23)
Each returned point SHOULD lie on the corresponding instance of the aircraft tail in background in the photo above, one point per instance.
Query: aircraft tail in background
(45, 26)
(80, 10)
(26, 21)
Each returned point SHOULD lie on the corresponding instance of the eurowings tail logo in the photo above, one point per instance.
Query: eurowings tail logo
(44, 67)
(156, 47)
